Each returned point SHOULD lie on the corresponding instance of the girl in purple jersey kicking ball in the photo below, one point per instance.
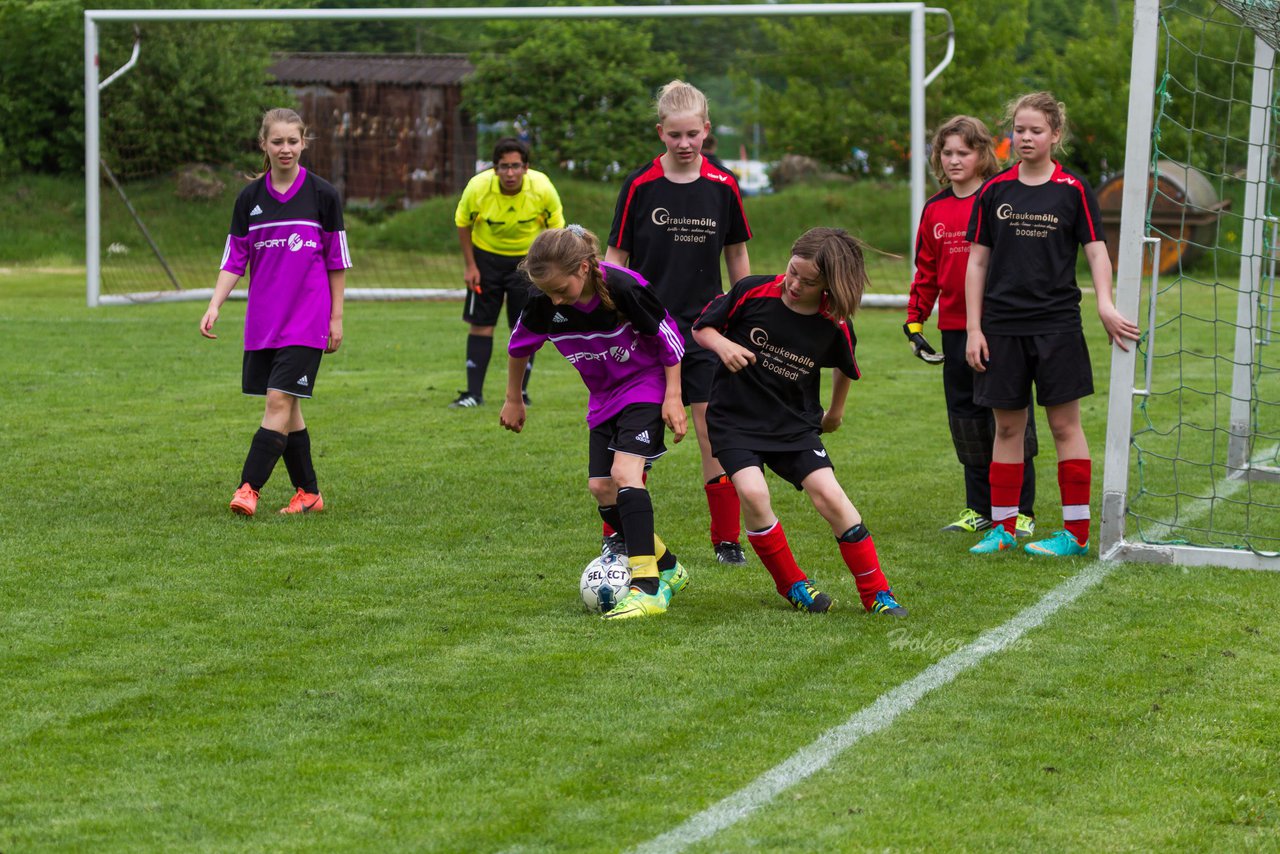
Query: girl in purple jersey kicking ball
(1024, 326)
(612, 329)
(287, 226)
(773, 336)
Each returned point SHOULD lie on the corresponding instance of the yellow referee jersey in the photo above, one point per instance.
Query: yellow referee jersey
(506, 225)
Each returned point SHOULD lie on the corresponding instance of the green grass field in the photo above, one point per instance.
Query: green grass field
(411, 670)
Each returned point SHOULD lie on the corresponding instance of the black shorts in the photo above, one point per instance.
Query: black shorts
(697, 368)
(1058, 365)
(498, 278)
(791, 466)
(637, 430)
(291, 370)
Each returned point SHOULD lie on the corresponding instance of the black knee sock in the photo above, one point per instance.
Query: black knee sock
(611, 517)
(528, 369)
(264, 452)
(297, 459)
(635, 509)
(479, 349)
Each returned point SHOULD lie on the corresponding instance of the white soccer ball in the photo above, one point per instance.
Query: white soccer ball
(604, 582)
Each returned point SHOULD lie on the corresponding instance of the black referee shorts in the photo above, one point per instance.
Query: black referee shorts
(1058, 364)
(499, 278)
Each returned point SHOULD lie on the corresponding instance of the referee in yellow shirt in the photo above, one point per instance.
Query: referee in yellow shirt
(500, 213)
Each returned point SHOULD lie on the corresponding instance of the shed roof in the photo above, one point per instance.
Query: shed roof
(401, 69)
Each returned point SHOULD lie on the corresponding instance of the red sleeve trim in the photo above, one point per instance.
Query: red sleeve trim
(653, 173)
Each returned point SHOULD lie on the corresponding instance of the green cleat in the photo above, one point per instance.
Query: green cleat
(637, 603)
(970, 522)
(1058, 544)
(676, 579)
(1024, 527)
(995, 540)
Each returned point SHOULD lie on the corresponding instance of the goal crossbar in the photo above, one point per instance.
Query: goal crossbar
(919, 79)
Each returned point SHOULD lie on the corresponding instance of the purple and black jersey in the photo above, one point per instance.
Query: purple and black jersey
(1034, 233)
(620, 352)
(289, 242)
(674, 233)
(773, 405)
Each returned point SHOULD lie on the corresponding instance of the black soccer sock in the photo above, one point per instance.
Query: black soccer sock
(635, 511)
(264, 452)
(479, 349)
(528, 369)
(297, 459)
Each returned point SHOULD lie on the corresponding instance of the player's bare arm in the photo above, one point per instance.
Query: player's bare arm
(834, 416)
(615, 256)
(975, 285)
(737, 262)
(734, 356)
(337, 296)
(514, 412)
(673, 404)
(221, 290)
(1119, 328)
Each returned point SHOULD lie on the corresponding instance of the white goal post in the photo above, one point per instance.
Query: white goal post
(919, 80)
(1245, 461)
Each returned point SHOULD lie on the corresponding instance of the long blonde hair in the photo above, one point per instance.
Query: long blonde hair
(678, 98)
(277, 116)
(840, 265)
(560, 252)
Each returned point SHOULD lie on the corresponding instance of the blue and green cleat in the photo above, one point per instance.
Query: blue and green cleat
(885, 604)
(1058, 544)
(805, 596)
(997, 539)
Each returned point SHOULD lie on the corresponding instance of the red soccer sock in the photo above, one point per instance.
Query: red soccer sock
(1074, 478)
(726, 512)
(771, 547)
(864, 563)
(1006, 490)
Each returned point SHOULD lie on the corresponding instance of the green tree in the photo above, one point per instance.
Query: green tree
(583, 89)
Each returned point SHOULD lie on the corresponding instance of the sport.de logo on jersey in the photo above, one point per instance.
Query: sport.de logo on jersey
(294, 243)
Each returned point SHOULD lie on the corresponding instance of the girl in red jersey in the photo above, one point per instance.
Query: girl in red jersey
(773, 336)
(286, 226)
(674, 219)
(1024, 323)
(962, 158)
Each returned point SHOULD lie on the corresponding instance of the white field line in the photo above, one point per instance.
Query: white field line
(885, 710)
(880, 714)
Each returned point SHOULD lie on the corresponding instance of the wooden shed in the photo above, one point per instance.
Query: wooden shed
(388, 127)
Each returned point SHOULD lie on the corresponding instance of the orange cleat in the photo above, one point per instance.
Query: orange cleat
(245, 501)
(304, 502)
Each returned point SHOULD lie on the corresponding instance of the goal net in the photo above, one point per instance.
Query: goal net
(1193, 449)
(398, 152)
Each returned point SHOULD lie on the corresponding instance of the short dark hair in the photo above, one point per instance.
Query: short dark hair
(508, 144)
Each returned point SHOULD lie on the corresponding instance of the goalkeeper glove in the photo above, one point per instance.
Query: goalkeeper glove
(919, 346)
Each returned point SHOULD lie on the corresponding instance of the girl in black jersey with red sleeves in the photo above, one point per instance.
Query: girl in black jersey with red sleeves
(773, 336)
(1024, 321)
(963, 157)
(675, 217)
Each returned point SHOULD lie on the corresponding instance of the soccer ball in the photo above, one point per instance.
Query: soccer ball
(604, 582)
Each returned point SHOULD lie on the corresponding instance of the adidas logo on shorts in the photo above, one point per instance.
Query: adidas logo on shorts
(643, 438)
(303, 382)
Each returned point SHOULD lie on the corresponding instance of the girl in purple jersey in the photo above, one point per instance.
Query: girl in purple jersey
(286, 226)
(674, 219)
(1023, 318)
(773, 336)
(612, 329)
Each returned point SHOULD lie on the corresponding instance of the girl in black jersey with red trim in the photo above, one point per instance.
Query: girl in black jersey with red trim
(963, 157)
(773, 336)
(287, 232)
(1024, 321)
(675, 217)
